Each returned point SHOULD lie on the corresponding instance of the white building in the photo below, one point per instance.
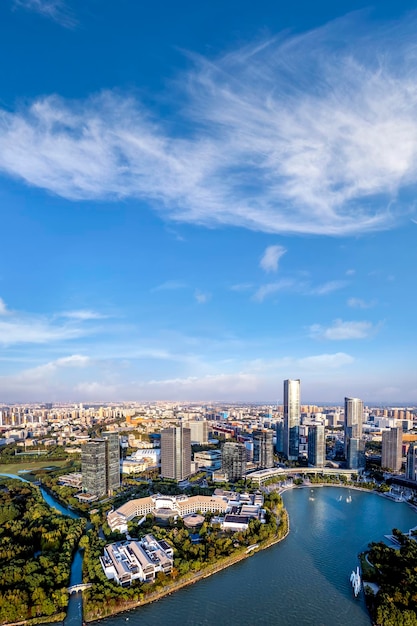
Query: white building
(131, 560)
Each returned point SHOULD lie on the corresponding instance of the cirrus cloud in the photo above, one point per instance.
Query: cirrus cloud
(290, 135)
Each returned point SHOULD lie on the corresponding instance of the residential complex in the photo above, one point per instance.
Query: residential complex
(392, 442)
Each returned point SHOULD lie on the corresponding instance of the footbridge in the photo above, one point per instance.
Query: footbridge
(80, 587)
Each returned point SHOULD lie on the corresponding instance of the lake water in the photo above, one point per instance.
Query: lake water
(303, 581)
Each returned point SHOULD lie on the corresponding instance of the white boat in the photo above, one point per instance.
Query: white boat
(355, 580)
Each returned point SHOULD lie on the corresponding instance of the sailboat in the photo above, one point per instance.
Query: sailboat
(355, 580)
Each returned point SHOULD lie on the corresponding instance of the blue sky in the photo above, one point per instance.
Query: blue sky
(199, 200)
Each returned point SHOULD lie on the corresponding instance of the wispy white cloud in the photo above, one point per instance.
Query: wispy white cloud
(271, 257)
(287, 136)
(329, 287)
(271, 288)
(202, 297)
(170, 285)
(358, 303)
(19, 328)
(341, 330)
(3, 308)
(241, 287)
(54, 9)
(83, 314)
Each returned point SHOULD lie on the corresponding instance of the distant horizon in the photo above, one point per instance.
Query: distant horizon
(237, 403)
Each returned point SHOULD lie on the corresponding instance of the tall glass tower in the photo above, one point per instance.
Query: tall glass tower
(291, 418)
(353, 432)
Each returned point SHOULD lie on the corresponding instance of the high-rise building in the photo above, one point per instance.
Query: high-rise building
(234, 460)
(176, 452)
(93, 467)
(100, 465)
(392, 444)
(199, 431)
(353, 430)
(356, 454)
(316, 445)
(411, 469)
(291, 418)
(112, 460)
(279, 446)
(263, 448)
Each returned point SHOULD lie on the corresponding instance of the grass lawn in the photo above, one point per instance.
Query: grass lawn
(14, 468)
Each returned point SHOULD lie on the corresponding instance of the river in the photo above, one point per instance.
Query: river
(74, 611)
(302, 581)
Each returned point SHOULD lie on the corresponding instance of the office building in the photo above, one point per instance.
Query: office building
(279, 445)
(411, 469)
(93, 467)
(234, 460)
(316, 445)
(392, 444)
(112, 461)
(100, 465)
(353, 430)
(291, 418)
(176, 453)
(199, 431)
(263, 448)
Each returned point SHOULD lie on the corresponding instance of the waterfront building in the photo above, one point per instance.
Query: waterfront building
(263, 448)
(392, 443)
(353, 430)
(411, 469)
(176, 453)
(291, 418)
(316, 445)
(356, 454)
(234, 460)
(126, 561)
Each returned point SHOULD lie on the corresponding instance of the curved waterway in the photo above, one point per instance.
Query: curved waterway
(302, 581)
(74, 610)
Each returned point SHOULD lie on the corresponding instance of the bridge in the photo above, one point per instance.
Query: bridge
(80, 587)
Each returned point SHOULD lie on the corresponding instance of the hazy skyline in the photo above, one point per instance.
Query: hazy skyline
(200, 201)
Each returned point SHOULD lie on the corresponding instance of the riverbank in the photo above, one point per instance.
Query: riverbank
(188, 579)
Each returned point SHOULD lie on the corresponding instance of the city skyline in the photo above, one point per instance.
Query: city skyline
(198, 207)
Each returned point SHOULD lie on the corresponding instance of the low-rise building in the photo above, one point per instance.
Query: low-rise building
(137, 560)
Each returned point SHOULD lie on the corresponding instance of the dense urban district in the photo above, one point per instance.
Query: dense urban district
(163, 494)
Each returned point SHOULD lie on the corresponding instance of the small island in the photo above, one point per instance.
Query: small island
(391, 581)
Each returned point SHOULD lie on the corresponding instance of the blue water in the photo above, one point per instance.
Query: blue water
(302, 581)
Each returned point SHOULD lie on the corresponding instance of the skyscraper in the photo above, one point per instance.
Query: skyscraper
(392, 444)
(176, 452)
(234, 460)
(353, 430)
(411, 470)
(263, 448)
(112, 460)
(93, 467)
(291, 418)
(316, 445)
(100, 465)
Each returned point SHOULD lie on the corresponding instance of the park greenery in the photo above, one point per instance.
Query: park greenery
(394, 570)
(36, 549)
(194, 554)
